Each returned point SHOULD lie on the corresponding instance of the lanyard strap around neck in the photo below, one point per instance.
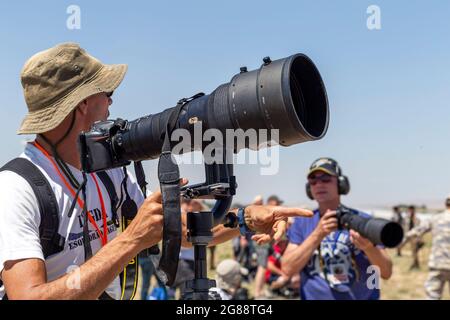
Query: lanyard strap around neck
(103, 236)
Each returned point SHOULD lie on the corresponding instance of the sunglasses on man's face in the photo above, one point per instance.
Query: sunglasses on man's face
(324, 178)
(109, 94)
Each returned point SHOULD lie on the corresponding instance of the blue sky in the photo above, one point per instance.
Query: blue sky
(388, 89)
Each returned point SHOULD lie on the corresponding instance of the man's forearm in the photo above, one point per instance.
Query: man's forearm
(94, 276)
(296, 260)
(380, 258)
(220, 233)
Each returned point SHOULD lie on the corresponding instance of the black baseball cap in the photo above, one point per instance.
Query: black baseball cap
(327, 165)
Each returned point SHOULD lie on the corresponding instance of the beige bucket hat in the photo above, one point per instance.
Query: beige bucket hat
(56, 80)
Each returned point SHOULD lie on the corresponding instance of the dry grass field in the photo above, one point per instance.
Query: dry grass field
(403, 285)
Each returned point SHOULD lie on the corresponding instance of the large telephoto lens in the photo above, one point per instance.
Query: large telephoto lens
(286, 94)
(378, 231)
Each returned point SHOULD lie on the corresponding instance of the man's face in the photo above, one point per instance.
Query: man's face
(323, 186)
(97, 108)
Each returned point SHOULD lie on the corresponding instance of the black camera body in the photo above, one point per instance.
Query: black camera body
(377, 230)
(97, 148)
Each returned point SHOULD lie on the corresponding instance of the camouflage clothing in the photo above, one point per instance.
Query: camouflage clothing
(440, 249)
(439, 225)
(435, 283)
(439, 260)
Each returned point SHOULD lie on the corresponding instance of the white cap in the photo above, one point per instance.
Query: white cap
(258, 199)
(229, 274)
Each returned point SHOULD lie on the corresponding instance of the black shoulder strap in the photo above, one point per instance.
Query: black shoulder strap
(109, 185)
(140, 177)
(169, 181)
(51, 241)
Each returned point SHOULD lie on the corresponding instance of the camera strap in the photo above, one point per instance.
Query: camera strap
(140, 177)
(169, 180)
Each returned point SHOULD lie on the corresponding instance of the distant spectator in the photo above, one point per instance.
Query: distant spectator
(228, 279)
(280, 283)
(258, 200)
(263, 252)
(398, 217)
(416, 241)
(412, 218)
(147, 271)
(244, 250)
(439, 259)
(273, 200)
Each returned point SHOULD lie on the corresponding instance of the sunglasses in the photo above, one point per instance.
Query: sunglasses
(109, 94)
(324, 178)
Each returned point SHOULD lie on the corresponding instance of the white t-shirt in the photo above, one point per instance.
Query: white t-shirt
(20, 217)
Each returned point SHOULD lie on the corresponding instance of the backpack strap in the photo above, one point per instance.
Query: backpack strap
(51, 241)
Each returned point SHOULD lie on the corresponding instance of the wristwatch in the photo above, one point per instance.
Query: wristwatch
(244, 229)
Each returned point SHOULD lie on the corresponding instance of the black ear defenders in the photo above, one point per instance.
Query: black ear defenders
(331, 167)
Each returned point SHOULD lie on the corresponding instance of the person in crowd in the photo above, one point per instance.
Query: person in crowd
(439, 259)
(263, 252)
(398, 217)
(334, 264)
(229, 275)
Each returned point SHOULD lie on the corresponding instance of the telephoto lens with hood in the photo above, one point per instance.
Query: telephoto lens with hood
(377, 230)
(286, 94)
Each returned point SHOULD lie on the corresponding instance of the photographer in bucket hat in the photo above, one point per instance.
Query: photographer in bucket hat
(58, 225)
(57, 80)
(66, 91)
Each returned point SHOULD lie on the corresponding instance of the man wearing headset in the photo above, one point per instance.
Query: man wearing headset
(334, 264)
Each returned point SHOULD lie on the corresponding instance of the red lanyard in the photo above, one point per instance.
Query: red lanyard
(104, 235)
